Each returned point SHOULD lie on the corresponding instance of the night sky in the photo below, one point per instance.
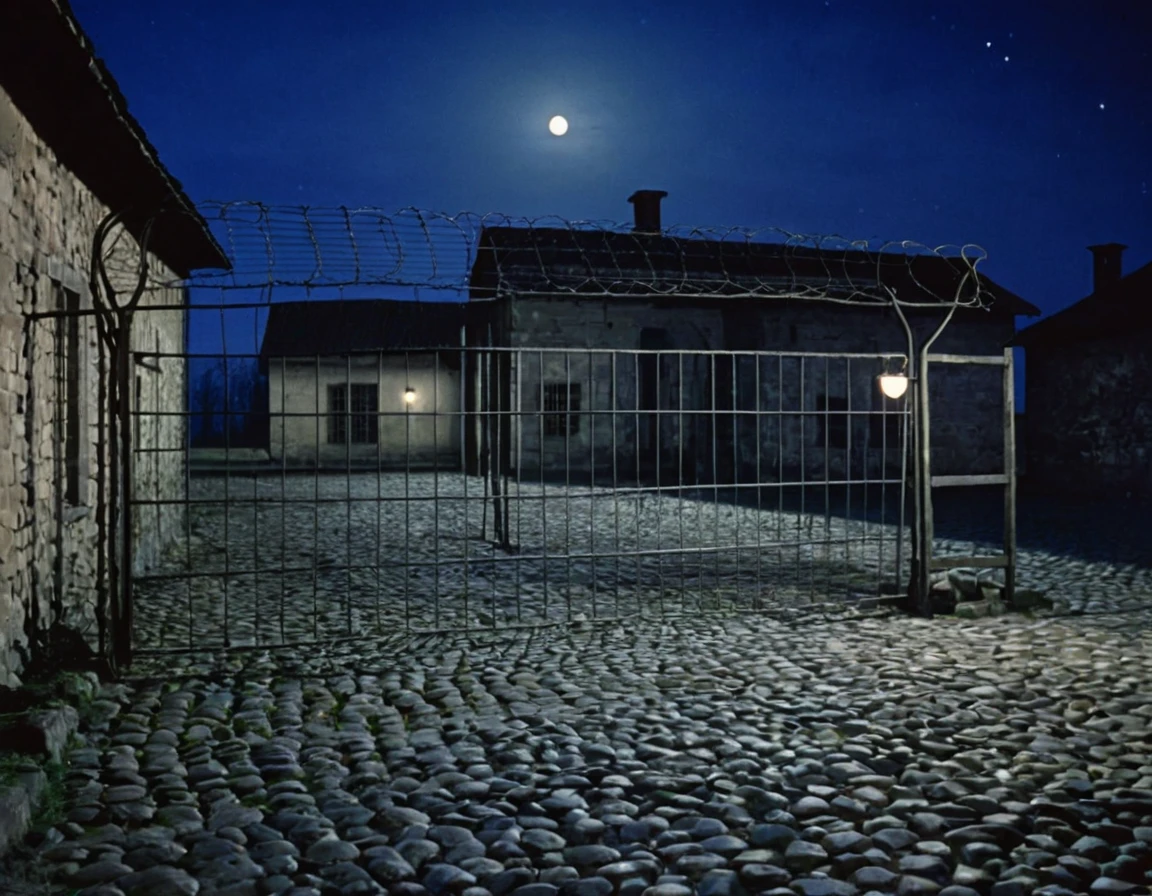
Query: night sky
(936, 122)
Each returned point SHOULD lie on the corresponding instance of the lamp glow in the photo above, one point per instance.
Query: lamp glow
(893, 385)
(409, 395)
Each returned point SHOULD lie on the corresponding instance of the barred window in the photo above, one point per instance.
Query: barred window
(337, 414)
(360, 416)
(365, 413)
(561, 409)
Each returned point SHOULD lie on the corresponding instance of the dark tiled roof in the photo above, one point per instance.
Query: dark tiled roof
(324, 328)
(560, 261)
(1123, 307)
(49, 68)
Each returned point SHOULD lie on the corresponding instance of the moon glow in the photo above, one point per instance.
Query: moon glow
(558, 125)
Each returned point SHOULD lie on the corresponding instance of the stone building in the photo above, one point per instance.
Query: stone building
(689, 406)
(70, 152)
(363, 383)
(1088, 386)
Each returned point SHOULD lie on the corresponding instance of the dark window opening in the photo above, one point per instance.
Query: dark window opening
(561, 409)
(834, 421)
(71, 380)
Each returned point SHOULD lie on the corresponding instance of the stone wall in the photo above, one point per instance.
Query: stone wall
(48, 459)
(1090, 417)
(966, 401)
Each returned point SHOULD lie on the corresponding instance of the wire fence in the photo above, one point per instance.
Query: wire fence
(693, 457)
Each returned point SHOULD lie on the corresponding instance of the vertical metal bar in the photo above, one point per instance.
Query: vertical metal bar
(615, 406)
(543, 489)
(227, 486)
(714, 420)
(568, 424)
(124, 657)
(927, 534)
(353, 418)
(1010, 470)
(902, 508)
(284, 498)
(518, 409)
(658, 454)
(435, 476)
(803, 470)
(316, 512)
(883, 482)
(379, 485)
(780, 443)
(758, 484)
(592, 411)
(827, 545)
(408, 507)
(466, 387)
(848, 480)
(639, 504)
(737, 497)
(681, 437)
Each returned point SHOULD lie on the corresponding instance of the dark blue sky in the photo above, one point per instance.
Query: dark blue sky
(890, 120)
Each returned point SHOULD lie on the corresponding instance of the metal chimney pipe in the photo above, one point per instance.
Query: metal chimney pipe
(1106, 264)
(646, 206)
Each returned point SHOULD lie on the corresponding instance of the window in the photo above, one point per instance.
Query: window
(561, 409)
(365, 411)
(833, 429)
(70, 367)
(360, 416)
(337, 414)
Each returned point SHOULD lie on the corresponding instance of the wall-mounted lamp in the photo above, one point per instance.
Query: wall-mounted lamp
(894, 385)
(409, 395)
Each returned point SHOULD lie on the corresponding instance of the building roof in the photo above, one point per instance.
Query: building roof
(49, 68)
(572, 261)
(324, 328)
(1124, 306)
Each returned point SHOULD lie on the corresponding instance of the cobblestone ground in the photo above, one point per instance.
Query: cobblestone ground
(323, 557)
(713, 756)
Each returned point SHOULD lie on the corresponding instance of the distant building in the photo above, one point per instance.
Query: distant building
(70, 153)
(364, 383)
(1088, 388)
(686, 409)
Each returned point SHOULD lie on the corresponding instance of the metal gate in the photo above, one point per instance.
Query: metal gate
(787, 496)
(453, 484)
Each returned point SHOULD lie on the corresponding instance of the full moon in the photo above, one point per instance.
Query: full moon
(558, 125)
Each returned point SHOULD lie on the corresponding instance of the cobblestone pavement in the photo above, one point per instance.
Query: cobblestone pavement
(712, 755)
(324, 557)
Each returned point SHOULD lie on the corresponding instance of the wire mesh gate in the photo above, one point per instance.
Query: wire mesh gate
(534, 486)
(485, 486)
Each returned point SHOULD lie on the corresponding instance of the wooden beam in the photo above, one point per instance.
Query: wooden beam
(975, 479)
(990, 360)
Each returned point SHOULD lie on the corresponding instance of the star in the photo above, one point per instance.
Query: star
(1101, 105)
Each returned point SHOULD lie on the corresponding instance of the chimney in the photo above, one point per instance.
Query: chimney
(1105, 264)
(646, 205)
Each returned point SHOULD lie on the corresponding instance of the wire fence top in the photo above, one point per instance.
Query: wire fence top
(479, 256)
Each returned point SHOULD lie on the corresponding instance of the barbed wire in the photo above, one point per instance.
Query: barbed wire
(487, 256)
